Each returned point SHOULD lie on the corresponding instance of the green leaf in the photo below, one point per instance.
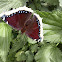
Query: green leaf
(25, 47)
(21, 56)
(32, 6)
(7, 4)
(60, 3)
(19, 42)
(51, 2)
(5, 38)
(30, 56)
(34, 47)
(48, 53)
(52, 26)
(31, 41)
(11, 57)
(1, 60)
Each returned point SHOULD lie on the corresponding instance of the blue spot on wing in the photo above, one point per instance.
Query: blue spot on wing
(4, 18)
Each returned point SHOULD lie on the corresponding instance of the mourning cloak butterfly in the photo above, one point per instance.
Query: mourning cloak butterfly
(26, 20)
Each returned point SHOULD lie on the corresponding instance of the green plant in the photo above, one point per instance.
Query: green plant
(15, 47)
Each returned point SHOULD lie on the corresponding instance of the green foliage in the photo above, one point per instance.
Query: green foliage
(5, 5)
(23, 49)
(52, 25)
(18, 42)
(11, 57)
(1, 60)
(43, 5)
(31, 41)
(60, 3)
(34, 48)
(51, 2)
(24, 56)
(48, 53)
(5, 38)
(35, 4)
(30, 56)
(21, 56)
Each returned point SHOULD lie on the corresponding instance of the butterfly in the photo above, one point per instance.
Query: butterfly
(26, 20)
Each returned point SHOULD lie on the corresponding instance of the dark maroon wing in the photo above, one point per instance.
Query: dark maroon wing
(17, 20)
(34, 30)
